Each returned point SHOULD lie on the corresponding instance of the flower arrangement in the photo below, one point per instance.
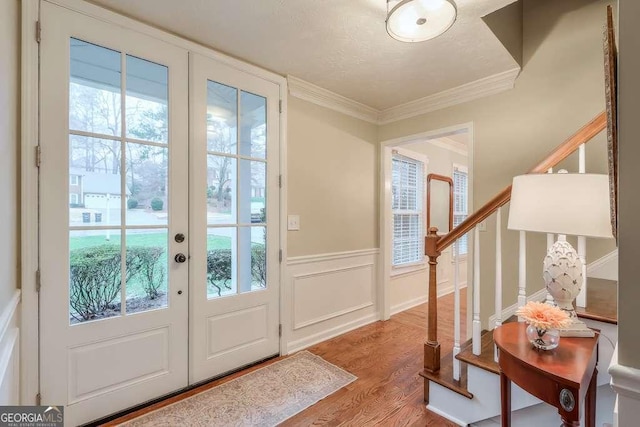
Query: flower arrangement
(544, 316)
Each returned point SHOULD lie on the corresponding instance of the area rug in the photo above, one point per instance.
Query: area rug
(264, 397)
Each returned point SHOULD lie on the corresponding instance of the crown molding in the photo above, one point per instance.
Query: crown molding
(467, 92)
(315, 94)
(451, 145)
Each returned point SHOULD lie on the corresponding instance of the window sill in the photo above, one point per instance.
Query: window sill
(408, 269)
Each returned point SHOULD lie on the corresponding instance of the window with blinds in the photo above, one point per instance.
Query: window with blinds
(407, 188)
(460, 197)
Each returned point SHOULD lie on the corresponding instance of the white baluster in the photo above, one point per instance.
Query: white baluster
(581, 299)
(456, 310)
(498, 300)
(477, 344)
(522, 271)
(550, 239)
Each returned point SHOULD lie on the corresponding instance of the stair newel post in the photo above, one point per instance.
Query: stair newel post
(432, 347)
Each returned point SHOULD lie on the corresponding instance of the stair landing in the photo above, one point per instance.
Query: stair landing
(602, 301)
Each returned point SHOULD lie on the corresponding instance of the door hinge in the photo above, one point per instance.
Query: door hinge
(38, 32)
(38, 399)
(280, 106)
(38, 156)
(280, 330)
(38, 281)
(280, 255)
(280, 181)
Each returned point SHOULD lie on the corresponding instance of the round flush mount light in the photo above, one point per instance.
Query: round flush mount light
(419, 20)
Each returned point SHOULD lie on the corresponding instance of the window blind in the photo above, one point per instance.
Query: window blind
(460, 212)
(407, 188)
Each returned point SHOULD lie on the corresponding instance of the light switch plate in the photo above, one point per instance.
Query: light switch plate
(293, 222)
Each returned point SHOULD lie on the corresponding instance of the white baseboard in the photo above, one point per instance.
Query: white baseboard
(605, 267)
(406, 305)
(511, 310)
(310, 340)
(625, 381)
(447, 416)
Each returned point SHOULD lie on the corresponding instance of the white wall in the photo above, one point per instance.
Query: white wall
(9, 226)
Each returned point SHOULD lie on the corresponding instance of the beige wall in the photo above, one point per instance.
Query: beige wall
(332, 180)
(629, 202)
(9, 134)
(560, 89)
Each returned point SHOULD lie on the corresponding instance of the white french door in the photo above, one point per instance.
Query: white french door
(234, 159)
(159, 216)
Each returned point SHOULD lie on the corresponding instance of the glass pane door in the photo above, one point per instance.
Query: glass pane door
(118, 188)
(236, 132)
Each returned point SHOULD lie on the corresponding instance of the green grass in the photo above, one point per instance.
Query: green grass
(134, 287)
(140, 239)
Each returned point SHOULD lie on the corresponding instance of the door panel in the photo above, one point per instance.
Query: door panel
(234, 211)
(114, 129)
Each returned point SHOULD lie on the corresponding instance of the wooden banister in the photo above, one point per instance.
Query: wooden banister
(564, 150)
(434, 244)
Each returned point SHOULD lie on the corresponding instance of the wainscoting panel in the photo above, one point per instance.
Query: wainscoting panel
(10, 352)
(330, 295)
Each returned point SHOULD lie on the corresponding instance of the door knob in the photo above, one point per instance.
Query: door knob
(180, 258)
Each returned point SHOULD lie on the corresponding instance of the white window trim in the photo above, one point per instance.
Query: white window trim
(74, 180)
(465, 169)
(398, 270)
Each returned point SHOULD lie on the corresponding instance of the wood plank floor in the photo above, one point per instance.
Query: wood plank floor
(386, 357)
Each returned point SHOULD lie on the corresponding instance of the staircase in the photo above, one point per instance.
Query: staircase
(463, 385)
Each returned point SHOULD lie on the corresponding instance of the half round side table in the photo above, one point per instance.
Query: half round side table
(564, 377)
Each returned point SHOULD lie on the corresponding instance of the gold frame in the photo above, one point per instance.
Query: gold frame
(610, 73)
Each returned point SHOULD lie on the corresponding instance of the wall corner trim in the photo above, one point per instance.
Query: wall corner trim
(625, 380)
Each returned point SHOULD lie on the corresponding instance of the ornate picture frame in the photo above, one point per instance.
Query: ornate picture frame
(610, 85)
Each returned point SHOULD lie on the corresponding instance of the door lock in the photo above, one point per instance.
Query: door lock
(180, 258)
(179, 237)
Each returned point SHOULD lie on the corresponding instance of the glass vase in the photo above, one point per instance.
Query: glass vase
(543, 339)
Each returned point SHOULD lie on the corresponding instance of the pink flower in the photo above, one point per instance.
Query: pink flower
(543, 316)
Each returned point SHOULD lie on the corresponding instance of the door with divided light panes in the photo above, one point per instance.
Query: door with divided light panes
(234, 164)
(159, 213)
(113, 202)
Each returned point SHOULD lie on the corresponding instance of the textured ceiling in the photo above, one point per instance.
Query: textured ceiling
(339, 45)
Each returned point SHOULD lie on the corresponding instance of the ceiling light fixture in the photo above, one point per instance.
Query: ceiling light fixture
(419, 20)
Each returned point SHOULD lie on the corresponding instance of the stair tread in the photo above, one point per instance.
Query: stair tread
(602, 301)
(444, 376)
(486, 358)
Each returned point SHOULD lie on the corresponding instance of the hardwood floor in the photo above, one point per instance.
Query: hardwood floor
(386, 357)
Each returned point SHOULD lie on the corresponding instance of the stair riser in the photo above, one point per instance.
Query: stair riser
(485, 387)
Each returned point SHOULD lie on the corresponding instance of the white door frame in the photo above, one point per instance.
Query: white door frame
(29, 125)
(385, 202)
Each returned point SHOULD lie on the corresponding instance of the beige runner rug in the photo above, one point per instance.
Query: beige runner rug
(264, 397)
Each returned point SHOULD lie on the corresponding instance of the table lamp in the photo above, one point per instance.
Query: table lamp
(562, 203)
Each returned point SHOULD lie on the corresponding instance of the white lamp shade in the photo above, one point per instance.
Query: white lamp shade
(419, 20)
(563, 203)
